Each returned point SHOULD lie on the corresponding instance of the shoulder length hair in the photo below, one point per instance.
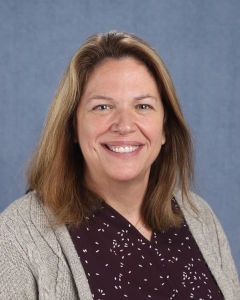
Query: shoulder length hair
(56, 170)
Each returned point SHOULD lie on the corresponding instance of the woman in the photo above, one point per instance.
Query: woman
(109, 214)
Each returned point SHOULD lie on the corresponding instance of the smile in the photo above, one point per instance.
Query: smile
(126, 149)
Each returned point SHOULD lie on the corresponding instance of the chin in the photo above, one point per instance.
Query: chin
(127, 177)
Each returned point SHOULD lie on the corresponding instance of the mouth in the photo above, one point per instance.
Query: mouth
(122, 149)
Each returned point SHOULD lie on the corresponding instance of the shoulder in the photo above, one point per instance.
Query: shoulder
(201, 219)
(32, 260)
(19, 211)
(25, 212)
(21, 206)
(26, 231)
(26, 224)
(211, 240)
(204, 225)
(22, 225)
(196, 200)
(16, 247)
(195, 208)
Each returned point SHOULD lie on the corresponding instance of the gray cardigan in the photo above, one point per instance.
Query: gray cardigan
(38, 261)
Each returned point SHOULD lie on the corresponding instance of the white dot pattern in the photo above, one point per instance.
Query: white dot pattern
(120, 263)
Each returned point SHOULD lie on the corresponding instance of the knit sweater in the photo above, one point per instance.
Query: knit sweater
(39, 261)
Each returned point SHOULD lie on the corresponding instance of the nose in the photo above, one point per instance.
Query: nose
(123, 122)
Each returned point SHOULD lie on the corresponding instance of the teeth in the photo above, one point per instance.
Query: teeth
(123, 149)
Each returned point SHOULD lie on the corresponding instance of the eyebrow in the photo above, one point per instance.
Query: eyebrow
(141, 97)
(99, 97)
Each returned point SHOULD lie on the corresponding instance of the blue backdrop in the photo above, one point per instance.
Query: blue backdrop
(198, 40)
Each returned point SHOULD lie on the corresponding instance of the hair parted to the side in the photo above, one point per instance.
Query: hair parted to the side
(56, 170)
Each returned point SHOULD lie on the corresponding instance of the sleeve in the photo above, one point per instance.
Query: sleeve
(212, 242)
(227, 263)
(216, 248)
(17, 281)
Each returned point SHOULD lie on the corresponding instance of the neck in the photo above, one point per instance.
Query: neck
(126, 197)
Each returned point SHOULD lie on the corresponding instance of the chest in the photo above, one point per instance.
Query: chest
(120, 263)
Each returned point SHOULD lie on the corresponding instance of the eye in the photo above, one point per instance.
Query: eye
(144, 106)
(102, 107)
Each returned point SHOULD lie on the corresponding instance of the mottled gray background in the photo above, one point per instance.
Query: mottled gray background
(199, 41)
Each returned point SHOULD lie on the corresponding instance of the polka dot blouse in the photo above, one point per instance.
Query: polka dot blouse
(120, 263)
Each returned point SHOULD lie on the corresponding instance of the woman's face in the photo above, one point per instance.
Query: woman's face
(120, 122)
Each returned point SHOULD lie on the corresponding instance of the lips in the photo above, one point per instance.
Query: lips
(122, 149)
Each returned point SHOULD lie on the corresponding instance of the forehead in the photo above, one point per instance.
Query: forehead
(119, 73)
(117, 64)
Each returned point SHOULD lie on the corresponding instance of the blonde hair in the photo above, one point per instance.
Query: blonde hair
(56, 170)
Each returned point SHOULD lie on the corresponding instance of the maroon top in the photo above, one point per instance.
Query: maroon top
(120, 263)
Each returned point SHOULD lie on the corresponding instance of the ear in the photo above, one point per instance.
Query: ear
(163, 137)
(164, 128)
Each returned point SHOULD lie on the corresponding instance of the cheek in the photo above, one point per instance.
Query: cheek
(159, 137)
(95, 127)
(82, 131)
(154, 130)
(88, 132)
